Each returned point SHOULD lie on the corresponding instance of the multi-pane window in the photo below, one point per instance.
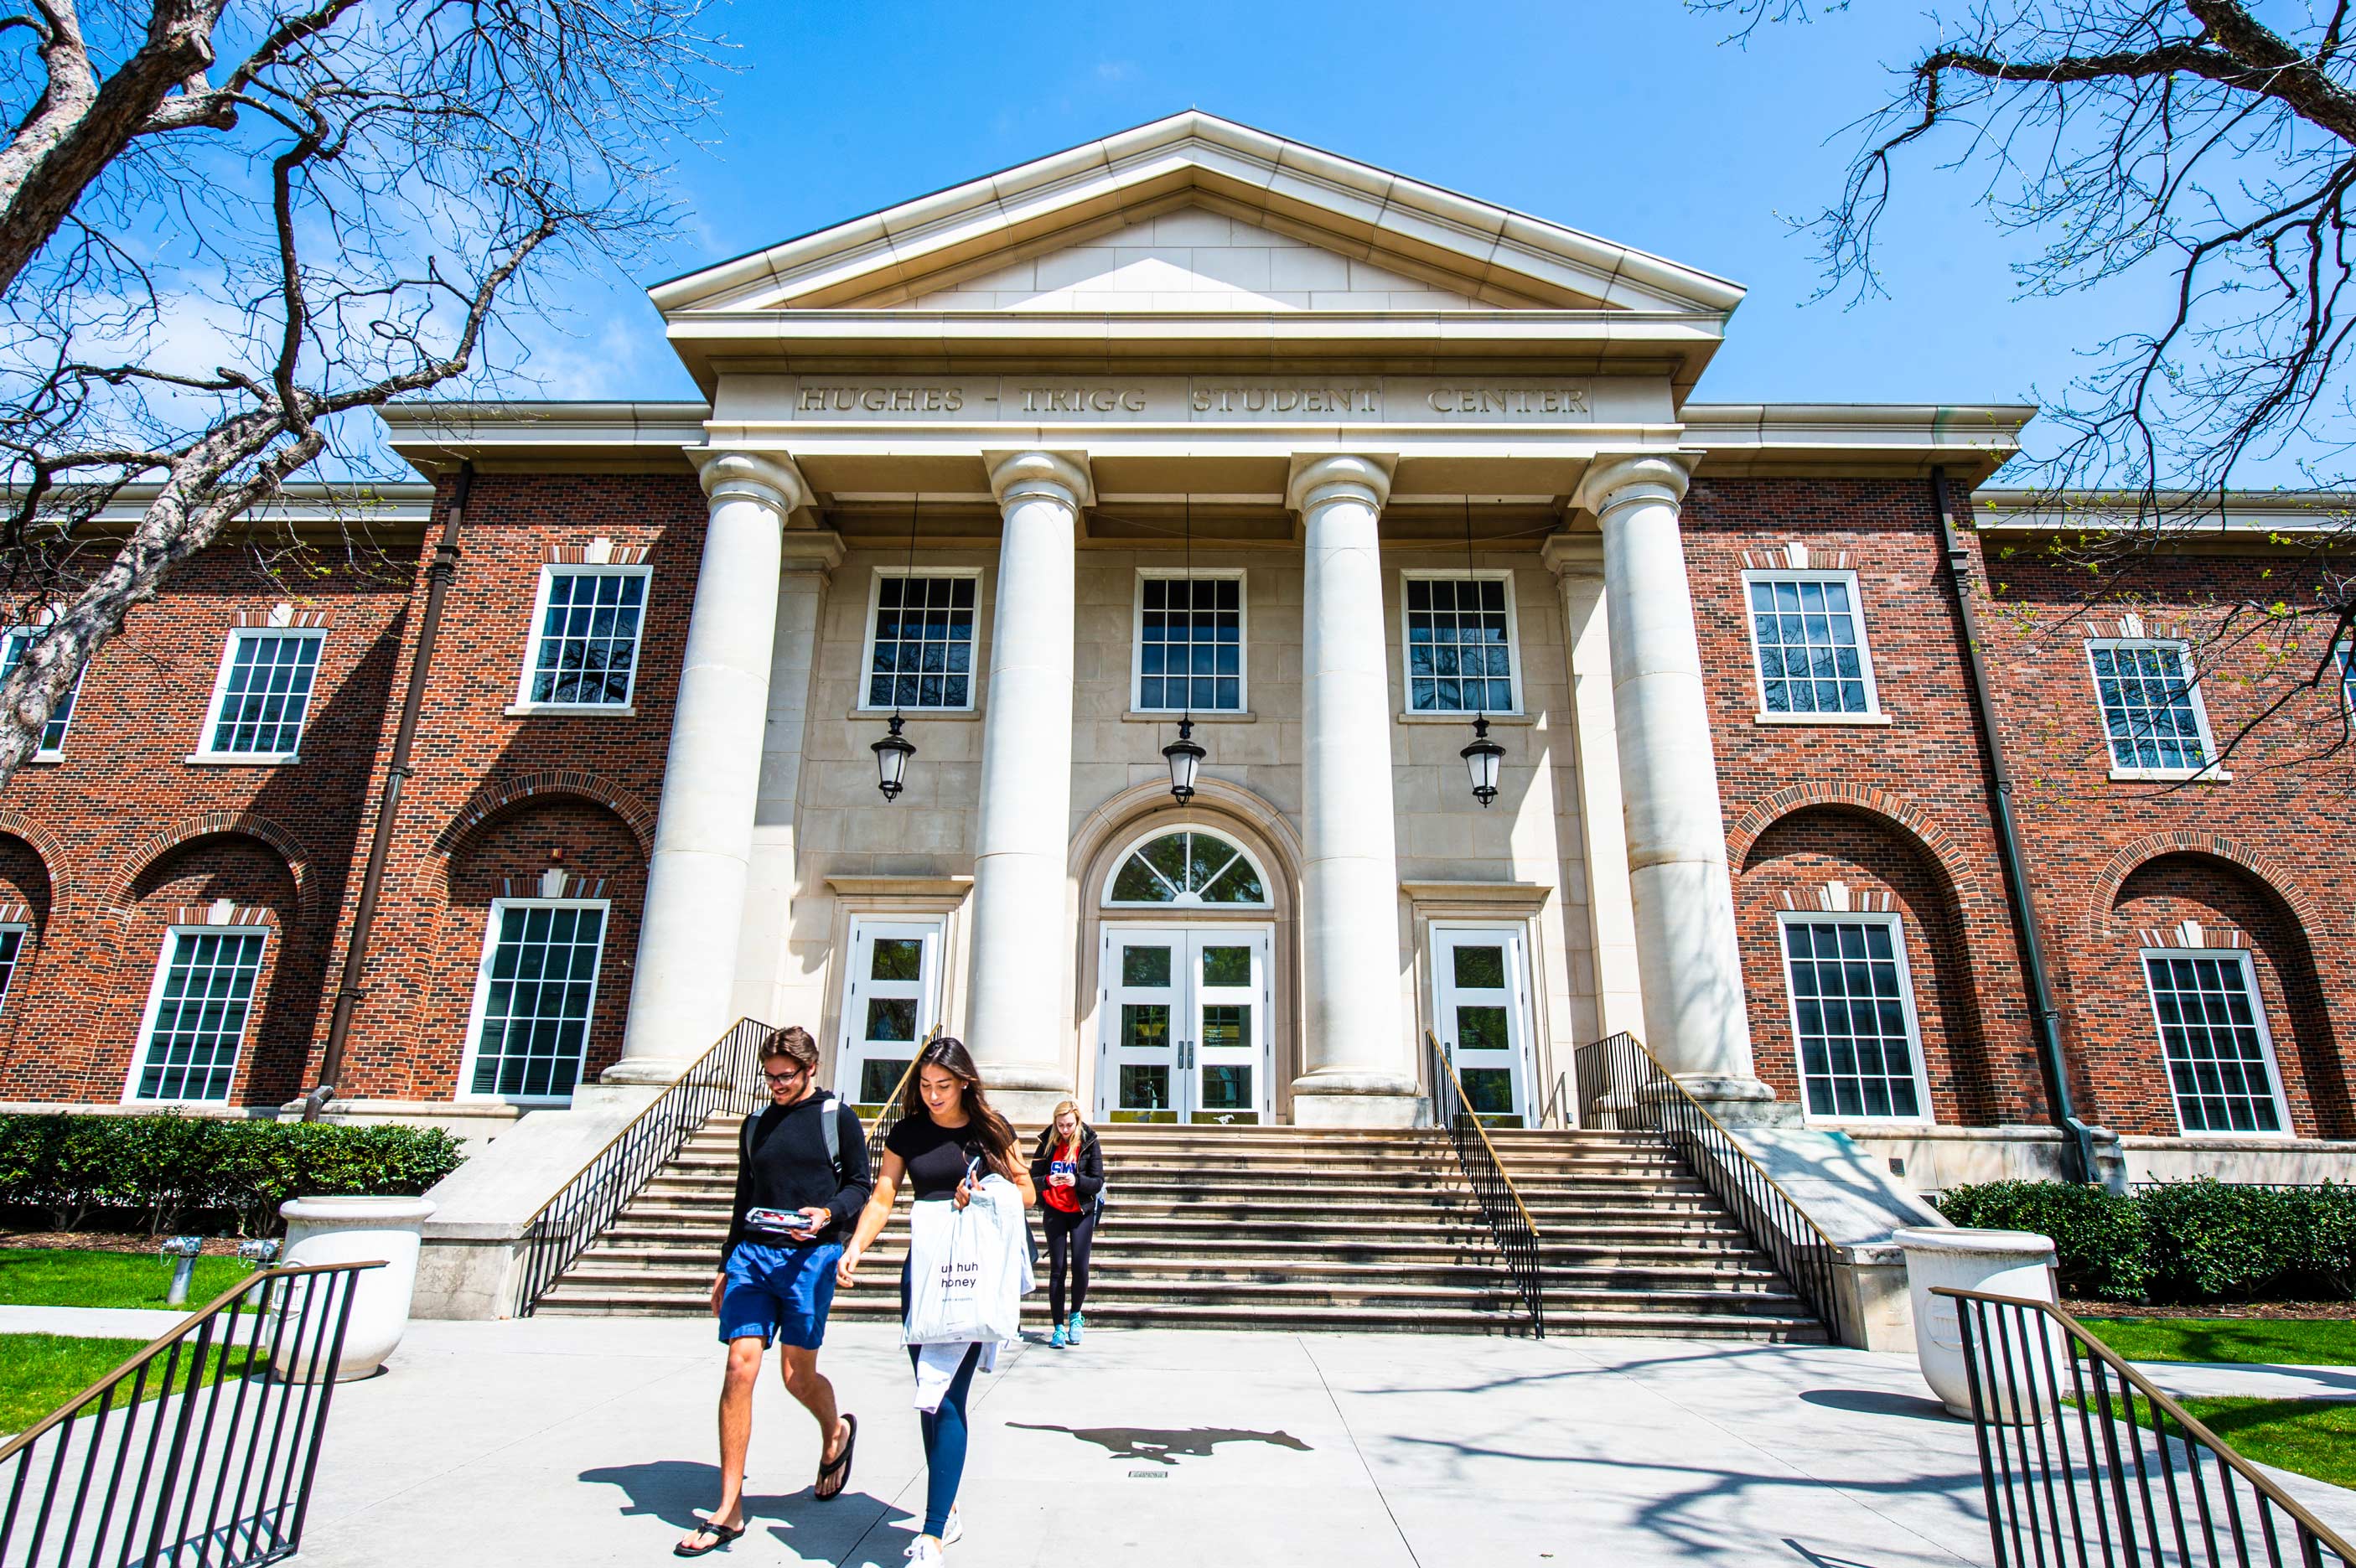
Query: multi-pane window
(12, 953)
(1460, 649)
(1190, 644)
(264, 694)
(585, 639)
(533, 1001)
(2348, 679)
(920, 646)
(2213, 1034)
(2151, 708)
(197, 1015)
(1809, 638)
(53, 733)
(1853, 1014)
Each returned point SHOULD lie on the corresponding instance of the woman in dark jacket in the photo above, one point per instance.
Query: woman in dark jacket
(1068, 1168)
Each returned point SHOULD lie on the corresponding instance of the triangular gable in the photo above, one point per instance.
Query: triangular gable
(1192, 259)
(1440, 242)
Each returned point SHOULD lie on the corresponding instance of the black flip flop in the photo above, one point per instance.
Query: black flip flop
(721, 1534)
(840, 1464)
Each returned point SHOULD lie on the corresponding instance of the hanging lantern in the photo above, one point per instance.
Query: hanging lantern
(1482, 758)
(892, 754)
(1185, 757)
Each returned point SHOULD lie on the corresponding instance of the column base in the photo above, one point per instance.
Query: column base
(657, 1072)
(1356, 1100)
(1739, 1100)
(1026, 1093)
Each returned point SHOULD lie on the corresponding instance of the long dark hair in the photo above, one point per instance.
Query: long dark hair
(987, 1127)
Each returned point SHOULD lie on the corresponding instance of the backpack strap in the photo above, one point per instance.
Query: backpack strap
(832, 1120)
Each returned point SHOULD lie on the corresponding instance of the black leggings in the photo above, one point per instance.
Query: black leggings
(1069, 1237)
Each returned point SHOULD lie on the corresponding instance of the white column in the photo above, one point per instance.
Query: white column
(682, 994)
(1689, 967)
(1578, 563)
(1023, 945)
(769, 986)
(1359, 1058)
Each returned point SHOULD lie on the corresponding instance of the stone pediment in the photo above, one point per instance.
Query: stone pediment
(1194, 258)
(1195, 214)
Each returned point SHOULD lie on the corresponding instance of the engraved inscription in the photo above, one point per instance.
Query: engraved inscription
(880, 399)
(1082, 400)
(1285, 398)
(1507, 403)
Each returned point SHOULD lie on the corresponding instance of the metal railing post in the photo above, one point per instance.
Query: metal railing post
(1508, 1217)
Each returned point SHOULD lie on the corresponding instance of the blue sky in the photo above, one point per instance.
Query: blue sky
(1631, 120)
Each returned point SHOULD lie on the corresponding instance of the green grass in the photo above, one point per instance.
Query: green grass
(2313, 1438)
(54, 1276)
(39, 1372)
(2329, 1343)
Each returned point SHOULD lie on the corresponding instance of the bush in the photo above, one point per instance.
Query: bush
(2181, 1242)
(169, 1170)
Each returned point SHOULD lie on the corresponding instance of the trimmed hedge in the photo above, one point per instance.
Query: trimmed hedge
(2181, 1242)
(168, 1171)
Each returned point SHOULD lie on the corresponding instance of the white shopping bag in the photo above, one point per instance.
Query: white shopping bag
(968, 1268)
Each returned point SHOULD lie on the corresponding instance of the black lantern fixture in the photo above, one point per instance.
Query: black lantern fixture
(1186, 754)
(892, 751)
(892, 754)
(1484, 758)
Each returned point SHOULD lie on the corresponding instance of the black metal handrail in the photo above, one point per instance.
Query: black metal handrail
(1501, 1201)
(2084, 1459)
(1561, 1105)
(1623, 1087)
(888, 1115)
(201, 1448)
(725, 1079)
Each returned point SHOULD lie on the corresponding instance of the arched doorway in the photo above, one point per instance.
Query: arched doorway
(1187, 966)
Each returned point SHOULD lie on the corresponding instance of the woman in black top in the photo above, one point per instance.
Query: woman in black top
(945, 1122)
(1068, 1169)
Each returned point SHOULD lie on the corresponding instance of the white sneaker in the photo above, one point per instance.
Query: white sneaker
(926, 1550)
(949, 1537)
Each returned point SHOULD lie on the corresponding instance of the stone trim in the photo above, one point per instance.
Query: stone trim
(552, 883)
(2191, 935)
(221, 911)
(1846, 797)
(280, 618)
(44, 845)
(1797, 556)
(2269, 872)
(2133, 628)
(1839, 898)
(572, 784)
(208, 824)
(598, 551)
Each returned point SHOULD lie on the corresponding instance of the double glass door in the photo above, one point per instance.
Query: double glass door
(1183, 1017)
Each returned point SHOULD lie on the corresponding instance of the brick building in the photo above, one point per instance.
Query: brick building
(1196, 424)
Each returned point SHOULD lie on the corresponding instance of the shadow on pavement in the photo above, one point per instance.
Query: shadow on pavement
(1872, 1401)
(673, 1489)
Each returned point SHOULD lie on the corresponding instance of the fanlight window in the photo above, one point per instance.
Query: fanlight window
(1187, 867)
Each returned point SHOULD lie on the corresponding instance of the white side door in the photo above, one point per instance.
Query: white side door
(1480, 1009)
(891, 1002)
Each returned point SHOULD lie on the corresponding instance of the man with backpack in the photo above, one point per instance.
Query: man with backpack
(801, 1180)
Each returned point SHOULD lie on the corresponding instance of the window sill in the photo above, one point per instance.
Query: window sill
(2284, 1136)
(1829, 720)
(585, 709)
(2212, 774)
(1466, 718)
(1172, 716)
(868, 715)
(243, 759)
(44, 758)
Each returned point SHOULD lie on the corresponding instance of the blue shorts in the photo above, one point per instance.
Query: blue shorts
(780, 1293)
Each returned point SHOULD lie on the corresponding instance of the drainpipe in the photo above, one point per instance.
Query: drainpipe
(2080, 1144)
(396, 773)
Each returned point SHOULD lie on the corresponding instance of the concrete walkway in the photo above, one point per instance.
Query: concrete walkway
(590, 1441)
(91, 1322)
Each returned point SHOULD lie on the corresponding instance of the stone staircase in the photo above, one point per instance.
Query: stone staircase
(1297, 1228)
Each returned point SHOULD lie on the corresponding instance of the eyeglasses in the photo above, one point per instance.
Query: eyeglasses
(787, 1076)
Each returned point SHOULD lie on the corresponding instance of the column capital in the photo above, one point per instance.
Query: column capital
(1567, 554)
(1618, 478)
(810, 549)
(770, 478)
(1320, 477)
(1058, 476)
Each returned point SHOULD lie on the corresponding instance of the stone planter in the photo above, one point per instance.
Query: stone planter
(2001, 1263)
(353, 1230)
